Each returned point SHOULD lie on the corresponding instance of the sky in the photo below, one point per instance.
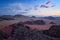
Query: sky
(30, 7)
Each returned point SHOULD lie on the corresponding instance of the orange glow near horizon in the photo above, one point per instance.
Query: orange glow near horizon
(53, 13)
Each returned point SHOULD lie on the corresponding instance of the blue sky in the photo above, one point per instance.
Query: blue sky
(29, 7)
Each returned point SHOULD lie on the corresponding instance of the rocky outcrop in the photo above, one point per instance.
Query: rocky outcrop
(54, 31)
(26, 33)
(39, 22)
(3, 35)
(52, 23)
(50, 18)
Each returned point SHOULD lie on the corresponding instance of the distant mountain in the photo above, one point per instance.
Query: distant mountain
(11, 17)
(18, 16)
(50, 18)
(7, 17)
(33, 17)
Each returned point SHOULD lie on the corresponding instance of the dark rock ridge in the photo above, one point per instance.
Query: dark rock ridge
(52, 23)
(7, 17)
(54, 31)
(19, 16)
(50, 18)
(39, 22)
(33, 17)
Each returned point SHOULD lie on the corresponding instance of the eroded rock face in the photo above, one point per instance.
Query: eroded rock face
(26, 33)
(3, 35)
(54, 31)
(39, 22)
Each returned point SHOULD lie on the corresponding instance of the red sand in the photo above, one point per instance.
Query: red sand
(40, 27)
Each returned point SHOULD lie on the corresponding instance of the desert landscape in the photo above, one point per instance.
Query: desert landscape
(29, 19)
(47, 28)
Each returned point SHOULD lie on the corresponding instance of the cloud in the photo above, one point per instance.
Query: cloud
(48, 4)
(28, 9)
(13, 8)
(44, 6)
(36, 7)
(18, 6)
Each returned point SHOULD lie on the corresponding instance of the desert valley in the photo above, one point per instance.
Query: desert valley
(29, 19)
(47, 27)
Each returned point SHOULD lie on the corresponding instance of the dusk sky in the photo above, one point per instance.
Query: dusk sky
(30, 7)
